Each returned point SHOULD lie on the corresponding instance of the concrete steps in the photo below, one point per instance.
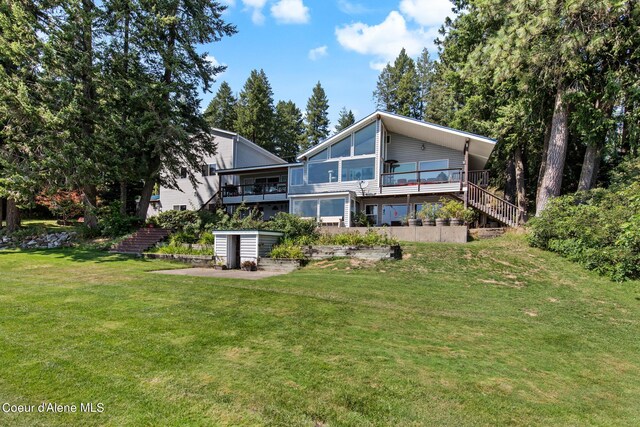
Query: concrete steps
(140, 241)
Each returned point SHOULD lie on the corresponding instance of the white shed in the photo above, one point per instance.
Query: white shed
(233, 247)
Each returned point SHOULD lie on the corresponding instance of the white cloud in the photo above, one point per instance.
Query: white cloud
(385, 40)
(350, 8)
(255, 6)
(318, 52)
(426, 12)
(290, 12)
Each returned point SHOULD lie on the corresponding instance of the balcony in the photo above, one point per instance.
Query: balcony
(430, 181)
(254, 193)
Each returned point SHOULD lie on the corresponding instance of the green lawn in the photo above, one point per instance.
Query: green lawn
(488, 333)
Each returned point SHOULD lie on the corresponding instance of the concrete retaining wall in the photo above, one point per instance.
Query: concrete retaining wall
(273, 264)
(447, 234)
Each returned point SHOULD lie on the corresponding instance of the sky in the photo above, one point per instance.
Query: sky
(343, 44)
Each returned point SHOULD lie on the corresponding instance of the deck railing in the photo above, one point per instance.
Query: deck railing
(479, 178)
(257, 189)
(422, 177)
(492, 205)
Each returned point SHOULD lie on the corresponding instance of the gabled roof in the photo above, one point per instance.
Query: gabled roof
(480, 147)
(251, 144)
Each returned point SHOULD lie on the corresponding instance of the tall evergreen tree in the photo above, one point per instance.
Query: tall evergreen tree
(345, 119)
(317, 117)
(398, 89)
(425, 69)
(289, 130)
(221, 112)
(255, 112)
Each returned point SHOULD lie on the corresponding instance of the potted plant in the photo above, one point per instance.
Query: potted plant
(454, 210)
(428, 214)
(220, 265)
(413, 221)
(442, 218)
(249, 266)
(468, 216)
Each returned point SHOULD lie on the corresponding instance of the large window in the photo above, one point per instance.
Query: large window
(306, 208)
(404, 173)
(297, 176)
(358, 169)
(365, 141)
(371, 211)
(394, 214)
(322, 155)
(322, 172)
(341, 148)
(437, 175)
(331, 207)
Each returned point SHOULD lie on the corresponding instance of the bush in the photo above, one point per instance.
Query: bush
(112, 223)
(288, 249)
(293, 226)
(599, 229)
(206, 238)
(182, 237)
(190, 222)
(451, 209)
(179, 249)
(370, 238)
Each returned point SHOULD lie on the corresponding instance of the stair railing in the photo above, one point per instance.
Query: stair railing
(493, 205)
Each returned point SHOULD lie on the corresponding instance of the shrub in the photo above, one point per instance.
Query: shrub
(293, 226)
(179, 249)
(288, 249)
(190, 222)
(112, 223)
(599, 229)
(451, 209)
(206, 238)
(182, 237)
(429, 212)
(360, 219)
(370, 238)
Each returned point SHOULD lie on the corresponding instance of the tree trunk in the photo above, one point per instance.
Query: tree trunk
(147, 189)
(587, 174)
(521, 185)
(123, 197)
(2, 204)
(13, 216)
(90, 202)
(510, 180)
(543, 162)
(556, 154)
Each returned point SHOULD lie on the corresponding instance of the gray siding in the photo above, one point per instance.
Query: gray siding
(405, 149)
(247, 154)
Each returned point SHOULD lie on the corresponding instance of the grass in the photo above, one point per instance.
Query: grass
(488, 333)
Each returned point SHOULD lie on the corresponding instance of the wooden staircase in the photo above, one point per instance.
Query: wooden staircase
(492, 205)
(140, 241)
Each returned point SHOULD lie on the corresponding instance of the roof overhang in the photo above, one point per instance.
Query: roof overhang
(246, 232)
(480, 147)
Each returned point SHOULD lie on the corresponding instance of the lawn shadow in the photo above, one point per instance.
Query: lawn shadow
(79, 255)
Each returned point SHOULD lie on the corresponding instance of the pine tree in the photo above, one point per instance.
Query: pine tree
(289, 130)
(221, 112)
(345, 119)
(425, 69)
(255, 112)
(317, 117)
(398, 89)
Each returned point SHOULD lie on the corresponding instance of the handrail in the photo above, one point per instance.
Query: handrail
(232, 190)
(216, 194)
(493, 205)
(417, 177)
(479, 177)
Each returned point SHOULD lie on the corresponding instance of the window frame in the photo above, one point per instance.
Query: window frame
(291, 180)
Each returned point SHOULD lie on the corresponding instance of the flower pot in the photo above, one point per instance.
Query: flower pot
(455, 221)
(441, 221)
(414, 222)
(429, 222)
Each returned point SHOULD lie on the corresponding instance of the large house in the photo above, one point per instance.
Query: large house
(386, 166)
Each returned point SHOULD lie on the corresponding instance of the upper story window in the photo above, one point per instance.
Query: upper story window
(322, 155)
(364, 141)
(209, 170)
(318, 173)
(297, 176)
(358, 169)
(341, 148)
(183, 172)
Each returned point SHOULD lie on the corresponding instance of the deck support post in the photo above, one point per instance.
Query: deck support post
(466, 173)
